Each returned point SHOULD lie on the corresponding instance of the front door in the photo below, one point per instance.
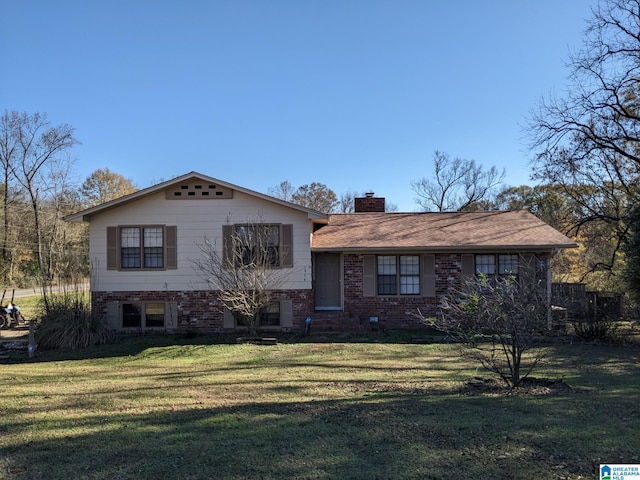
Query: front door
(328, 281)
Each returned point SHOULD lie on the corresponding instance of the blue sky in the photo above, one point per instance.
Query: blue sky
(355, 94)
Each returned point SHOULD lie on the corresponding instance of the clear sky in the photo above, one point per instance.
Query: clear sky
(356, 94)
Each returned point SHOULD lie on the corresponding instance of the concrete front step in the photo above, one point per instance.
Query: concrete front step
(14, 345)
(342, 322)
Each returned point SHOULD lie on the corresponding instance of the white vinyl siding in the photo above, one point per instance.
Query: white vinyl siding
(192, 222)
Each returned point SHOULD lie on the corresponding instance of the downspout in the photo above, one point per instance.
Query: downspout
(549, 298)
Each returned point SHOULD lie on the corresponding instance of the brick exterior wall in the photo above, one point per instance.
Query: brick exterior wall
(448, 272)
(395, 312)
(399, 312)
(200, 311)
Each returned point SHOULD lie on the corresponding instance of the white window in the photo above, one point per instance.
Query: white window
(502, 264)
(398, 274)
(141, 247)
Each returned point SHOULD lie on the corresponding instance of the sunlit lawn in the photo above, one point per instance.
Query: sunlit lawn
(160, 407)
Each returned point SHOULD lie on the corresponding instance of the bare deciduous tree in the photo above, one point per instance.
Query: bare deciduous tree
(457, 184)
(318, 196)
(30, 151)
(284, 191)
(497, 320)
(8, 151)
(245, 271)
(588, 140)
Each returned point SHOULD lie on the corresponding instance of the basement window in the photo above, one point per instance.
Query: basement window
(143, 315)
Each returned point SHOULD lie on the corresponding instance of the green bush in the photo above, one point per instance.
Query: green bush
(68, 324)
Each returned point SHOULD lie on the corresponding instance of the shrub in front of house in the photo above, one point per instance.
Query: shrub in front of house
(68, 324)
(599, 329)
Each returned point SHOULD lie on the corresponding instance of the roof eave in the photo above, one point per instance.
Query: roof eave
(444, 248)
(85, 215)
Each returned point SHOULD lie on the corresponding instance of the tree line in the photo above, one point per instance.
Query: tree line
(38, 189)
(586, 155)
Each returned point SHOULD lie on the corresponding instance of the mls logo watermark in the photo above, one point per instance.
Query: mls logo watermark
(619, 472)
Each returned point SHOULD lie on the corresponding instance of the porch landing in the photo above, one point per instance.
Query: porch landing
(332, 321)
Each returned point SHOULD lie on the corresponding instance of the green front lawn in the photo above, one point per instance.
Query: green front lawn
(166, 408)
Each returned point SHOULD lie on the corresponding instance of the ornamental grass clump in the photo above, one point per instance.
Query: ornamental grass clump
(68, 324)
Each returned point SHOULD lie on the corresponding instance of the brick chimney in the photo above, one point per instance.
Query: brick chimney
(369, 203)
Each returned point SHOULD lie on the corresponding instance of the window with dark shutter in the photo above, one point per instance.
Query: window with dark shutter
(257, 244)
(398, 274)
(142, 247)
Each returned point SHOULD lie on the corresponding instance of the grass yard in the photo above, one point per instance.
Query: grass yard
(167, 408)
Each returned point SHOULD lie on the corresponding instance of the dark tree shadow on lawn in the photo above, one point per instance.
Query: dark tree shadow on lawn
(381, 435)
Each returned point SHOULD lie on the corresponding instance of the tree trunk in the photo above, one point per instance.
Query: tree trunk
(39, 254)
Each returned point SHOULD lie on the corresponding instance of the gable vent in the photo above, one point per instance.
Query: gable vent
(198, 190)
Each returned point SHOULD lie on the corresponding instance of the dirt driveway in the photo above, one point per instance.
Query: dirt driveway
(13, 334)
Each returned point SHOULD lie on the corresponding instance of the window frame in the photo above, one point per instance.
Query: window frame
(269, 316)
(283, 251)
(403, 278)
(499, 265)
(273, 250)
(143, 313)
(145, 253)
(285, 308)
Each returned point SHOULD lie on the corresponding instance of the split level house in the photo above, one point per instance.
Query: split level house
(341, 270)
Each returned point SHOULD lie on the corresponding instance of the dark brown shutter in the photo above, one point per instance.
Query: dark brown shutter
(228, 322)
(468, 265)
(171, 245)
(227, 246)
(369, 276)
(286, 246)
(114, 315)
(171, 316)
(286, 313)
(429, 275)
(112, 248)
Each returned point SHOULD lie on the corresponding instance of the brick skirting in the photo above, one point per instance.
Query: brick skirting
(200, 311)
